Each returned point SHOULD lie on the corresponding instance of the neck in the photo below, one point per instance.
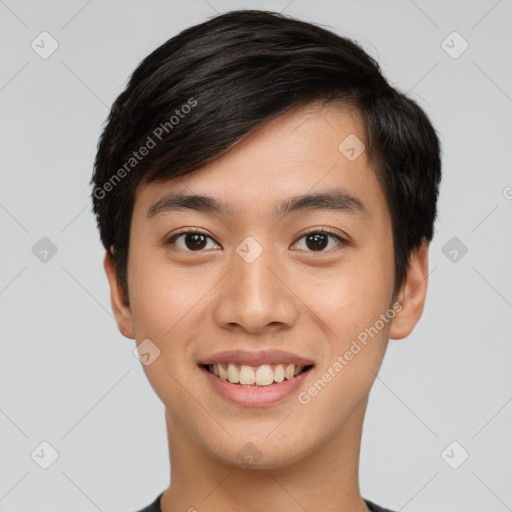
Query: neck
(326, 480)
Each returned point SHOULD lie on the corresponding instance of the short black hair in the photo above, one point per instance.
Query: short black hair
(205, 89)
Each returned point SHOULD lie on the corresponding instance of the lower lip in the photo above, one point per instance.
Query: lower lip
(255, 396)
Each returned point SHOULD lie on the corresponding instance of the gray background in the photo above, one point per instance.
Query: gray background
(69, 378)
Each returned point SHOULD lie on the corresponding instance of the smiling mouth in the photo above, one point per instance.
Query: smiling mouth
(256, 376)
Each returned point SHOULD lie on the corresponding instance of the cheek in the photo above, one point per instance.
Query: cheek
(162, 295)
(351, 303)
(355, 293)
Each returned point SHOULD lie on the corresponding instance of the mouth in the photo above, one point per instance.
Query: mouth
(255, 379)
(256, 376)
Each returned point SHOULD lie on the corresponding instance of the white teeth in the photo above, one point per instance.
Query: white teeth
(279, 373)
(260, 376)
(223, 374)
(264, 375)
(247, 375)
(233, 374)
(290, 370)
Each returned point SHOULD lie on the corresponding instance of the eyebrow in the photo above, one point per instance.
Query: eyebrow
(335, 199)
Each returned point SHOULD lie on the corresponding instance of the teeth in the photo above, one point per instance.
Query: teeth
(223, 374)
(233, 373)
(247, 375)
(262, 375)
(279, 373)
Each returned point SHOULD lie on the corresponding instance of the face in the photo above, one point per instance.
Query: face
(261, 285)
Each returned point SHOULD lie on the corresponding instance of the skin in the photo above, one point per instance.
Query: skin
(191, 304)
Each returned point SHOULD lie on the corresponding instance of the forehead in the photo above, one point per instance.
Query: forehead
(310, 151)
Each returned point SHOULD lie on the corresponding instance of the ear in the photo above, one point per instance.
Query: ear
(412, 294)
(120, 306)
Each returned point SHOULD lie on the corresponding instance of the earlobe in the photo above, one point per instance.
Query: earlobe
(120, 306)
(412, 295)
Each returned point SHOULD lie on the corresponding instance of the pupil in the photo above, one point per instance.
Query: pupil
(319, 240)
(316, 241)
(195, 237)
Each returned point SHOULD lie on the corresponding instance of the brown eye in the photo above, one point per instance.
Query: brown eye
(196, 241)
(193, 241)
(318, 240)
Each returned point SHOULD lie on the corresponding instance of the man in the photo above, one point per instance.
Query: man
(266, 200)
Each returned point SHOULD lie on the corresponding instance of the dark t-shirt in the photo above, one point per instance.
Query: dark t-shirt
(155, 506)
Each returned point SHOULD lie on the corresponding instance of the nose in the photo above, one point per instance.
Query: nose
(256, 295)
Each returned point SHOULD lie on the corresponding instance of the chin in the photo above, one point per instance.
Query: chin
(259, 452)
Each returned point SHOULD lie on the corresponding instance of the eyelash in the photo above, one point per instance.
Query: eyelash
(174, 237)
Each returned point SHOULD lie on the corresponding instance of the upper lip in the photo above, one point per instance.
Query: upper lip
(249, 358)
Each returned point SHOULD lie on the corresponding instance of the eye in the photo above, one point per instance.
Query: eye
(194, 240)
(317, 239)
